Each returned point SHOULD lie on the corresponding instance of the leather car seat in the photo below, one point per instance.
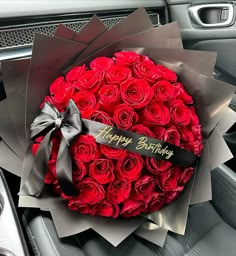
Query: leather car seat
(211, 230)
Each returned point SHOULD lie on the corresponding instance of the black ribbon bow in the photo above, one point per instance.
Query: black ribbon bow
(47, 122)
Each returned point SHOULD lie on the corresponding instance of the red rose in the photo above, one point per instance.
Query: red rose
(136, 93)
(75, 73)
(101, 63)
(102, 170)
(143, 130)
(132, 208)
(164, 91)
(166, 73)
(187, 136)
(126, 58)
(192, 139)
(76, 205)
(146, 70)
(172, 136)
(90, 192)
(197, 132)
(57, 84)
(89, 81)
(117, 74)
(180, 114)
(155, 166)
(113, 153)
(156, 114)
(171, 196)
(130, 167)
(101, 117)
(85, 149)
(86, 103)
(194, 119)
(144, 188)
(195, 147)
(156, 203)
(186, 174)
(62, 96)
(182, 94)
(78, 170)
(107, 209)
(159, 132)
(168, 179)
(109, 97)
(118, 191)
(125, 117)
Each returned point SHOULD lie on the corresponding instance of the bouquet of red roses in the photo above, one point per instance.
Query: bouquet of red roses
(120, 133)
(132, 93)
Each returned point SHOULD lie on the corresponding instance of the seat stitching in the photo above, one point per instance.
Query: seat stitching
(31, 238)
(199, 251)
(49, 237)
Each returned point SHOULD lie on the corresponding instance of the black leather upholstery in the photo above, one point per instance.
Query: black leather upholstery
(211, 230)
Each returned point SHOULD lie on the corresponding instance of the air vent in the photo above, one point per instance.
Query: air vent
(22, 35)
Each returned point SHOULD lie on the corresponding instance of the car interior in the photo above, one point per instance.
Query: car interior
(208, 25)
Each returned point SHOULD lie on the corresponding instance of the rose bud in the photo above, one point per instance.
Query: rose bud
(168, 180)
(85, 148)
(117, 75)
(126, 58)
(90, 192)
(136, 93)
(90, 81)
(146, 70)
(180, 114)
(101, 63)
(156, 113)
(125, 117)
(181, 94)
(132, 208)
(101, 117)
(107, 209)
(166, 73)
(75, 73)
(102, 170)
(86, 103)
(164, 91)
(109, 97)
(155, 166)
(130, 167)
(118, 191)
(156, 203)
(78, 170)
(186, 174)
(172, 136)
(143, 188)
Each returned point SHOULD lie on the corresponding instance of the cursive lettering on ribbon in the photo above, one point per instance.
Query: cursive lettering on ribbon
(107, 133)
(154, 148)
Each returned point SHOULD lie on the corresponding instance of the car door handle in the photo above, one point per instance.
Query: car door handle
(219, 15)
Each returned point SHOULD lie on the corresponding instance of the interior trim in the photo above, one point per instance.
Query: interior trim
(37, 7)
